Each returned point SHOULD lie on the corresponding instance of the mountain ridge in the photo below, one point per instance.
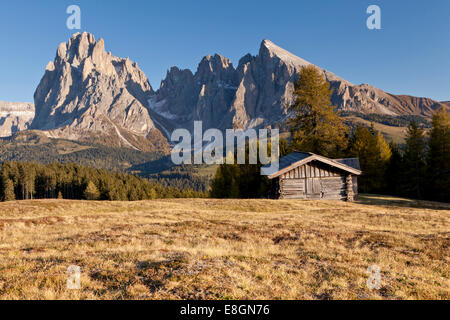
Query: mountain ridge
(259, 91)
(14, 117)
(87, 94)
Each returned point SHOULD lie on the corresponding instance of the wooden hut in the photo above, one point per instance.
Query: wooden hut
(305, 175)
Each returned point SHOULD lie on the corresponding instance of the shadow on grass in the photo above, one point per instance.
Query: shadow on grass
(390, 201)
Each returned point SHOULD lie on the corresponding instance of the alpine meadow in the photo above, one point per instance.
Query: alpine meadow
(171, 151)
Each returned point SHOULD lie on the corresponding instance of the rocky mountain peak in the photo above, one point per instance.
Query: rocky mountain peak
(87, 93)
(260, 90)
(176, 75)
(15, 116)
(214, 68)
(216, 61)
(270, 50)
(78, 47)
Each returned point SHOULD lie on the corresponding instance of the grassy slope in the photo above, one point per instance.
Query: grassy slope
(222, 249)
(392, 133)
(41, 149)
(396, 134)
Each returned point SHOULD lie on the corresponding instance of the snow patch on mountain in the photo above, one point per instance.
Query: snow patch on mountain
(15, 116)
(158, 107)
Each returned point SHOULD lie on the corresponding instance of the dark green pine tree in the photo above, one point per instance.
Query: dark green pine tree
(393, 176)
(21, 180)
(218, 184)
(373, 154)
(438, 159)
(240, 180)
(27, 174)
(414, 162)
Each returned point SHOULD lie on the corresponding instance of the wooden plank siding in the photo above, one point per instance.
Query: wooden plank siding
(312, 170)
(315, 180)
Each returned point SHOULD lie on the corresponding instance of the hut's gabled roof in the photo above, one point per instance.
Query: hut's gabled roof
(296, 159)
(351, 162)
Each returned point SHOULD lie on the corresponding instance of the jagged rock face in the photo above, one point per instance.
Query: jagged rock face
(368, 99)
(176, 96)
(89, 94)
(267, 82)
(217, 80)
(15, 116)
(260, 90)
(184, 97)
(415, 105)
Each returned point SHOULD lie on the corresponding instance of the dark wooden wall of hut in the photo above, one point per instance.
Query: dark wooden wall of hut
(315, 180)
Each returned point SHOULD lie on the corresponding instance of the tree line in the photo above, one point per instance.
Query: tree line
(418, 169)
(27, 180)
(389, 120)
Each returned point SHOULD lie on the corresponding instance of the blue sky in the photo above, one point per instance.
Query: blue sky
(409, 55)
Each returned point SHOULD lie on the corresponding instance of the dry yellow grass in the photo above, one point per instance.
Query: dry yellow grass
(224, 249)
